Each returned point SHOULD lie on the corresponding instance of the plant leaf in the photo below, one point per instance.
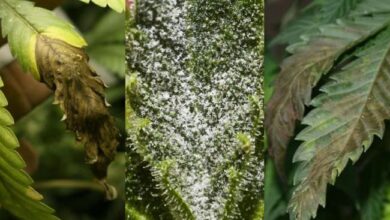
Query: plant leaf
(106, 42)
(301, 72)
(22, 23)
(16, 193)
(80, 94)
(55, 54)
(117, 5)
(368, 7)
(342, 126)
(316, 14)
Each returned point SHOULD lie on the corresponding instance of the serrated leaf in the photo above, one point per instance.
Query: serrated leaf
(79, 92)
(117, 5)
(52, 50)
(21, 22)
(301, 71)
(342, 126)
(316, 14)
(16, 194)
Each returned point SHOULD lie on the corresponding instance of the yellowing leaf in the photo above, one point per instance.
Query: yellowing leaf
(21, 23)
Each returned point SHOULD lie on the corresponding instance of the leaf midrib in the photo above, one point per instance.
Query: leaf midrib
(353, 127)
(378, 71)
(20, 16)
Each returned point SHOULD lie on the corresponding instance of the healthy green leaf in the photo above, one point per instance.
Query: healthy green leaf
(301, 71)
(117, 5)
(342, 126)
(16, 193)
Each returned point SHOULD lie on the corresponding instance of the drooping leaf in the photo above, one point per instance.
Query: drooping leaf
(301, 71)
(117, 5)
(16, 193)
(80, 94)
(342, 126)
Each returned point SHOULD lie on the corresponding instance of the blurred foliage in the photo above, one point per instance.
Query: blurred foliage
(62, 177)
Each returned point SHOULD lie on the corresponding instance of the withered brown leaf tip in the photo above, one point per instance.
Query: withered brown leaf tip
(79, 92)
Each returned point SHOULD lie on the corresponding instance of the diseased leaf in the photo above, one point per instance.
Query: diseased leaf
(195, 109)
(80, 94)
(342, 126)
(52, 50)
(301, 72)
(22, 22)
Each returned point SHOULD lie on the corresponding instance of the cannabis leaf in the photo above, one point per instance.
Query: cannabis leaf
(16, 193)
(316, 14)
(22, 23)
(342, 126)
(301, 71)
(194, 109)
(117, 5)
(53, 51)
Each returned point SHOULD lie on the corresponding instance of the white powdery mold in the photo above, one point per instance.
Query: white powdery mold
(194, 86)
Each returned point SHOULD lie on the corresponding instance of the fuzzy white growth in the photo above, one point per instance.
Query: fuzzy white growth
(196, 109)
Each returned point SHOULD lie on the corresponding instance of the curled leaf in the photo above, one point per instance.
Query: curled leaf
(79, 92)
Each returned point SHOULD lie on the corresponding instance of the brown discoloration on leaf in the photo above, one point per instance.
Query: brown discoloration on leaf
(301, 72)
(347, 116)
(79, 92)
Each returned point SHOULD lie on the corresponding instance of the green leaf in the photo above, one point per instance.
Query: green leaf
(106, 42)
(318, 13)
(274, 198)
(117, 5)
(369, 7)
(16, 194)
(372, 208)
(23, 23)
(179, 207)
(301, 71)
(342, 126)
